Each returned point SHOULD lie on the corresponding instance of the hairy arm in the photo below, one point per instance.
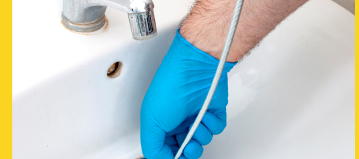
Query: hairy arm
(207, 25)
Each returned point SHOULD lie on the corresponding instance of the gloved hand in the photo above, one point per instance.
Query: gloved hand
(174, 99)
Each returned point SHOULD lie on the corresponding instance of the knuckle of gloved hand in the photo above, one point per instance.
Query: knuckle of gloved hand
(193, 150)
(219, 129)
(214, 124)
(203, 135)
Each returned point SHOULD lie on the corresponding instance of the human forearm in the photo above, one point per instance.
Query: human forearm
(207, 25)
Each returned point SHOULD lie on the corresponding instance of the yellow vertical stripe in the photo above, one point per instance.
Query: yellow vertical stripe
(356, 77)
(5, 79)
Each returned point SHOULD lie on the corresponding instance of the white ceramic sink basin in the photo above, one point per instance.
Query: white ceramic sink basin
(292, 97)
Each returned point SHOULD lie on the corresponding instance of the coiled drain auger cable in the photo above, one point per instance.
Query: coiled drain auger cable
(219, 70)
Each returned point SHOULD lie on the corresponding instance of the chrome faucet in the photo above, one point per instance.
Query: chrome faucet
(86, 16)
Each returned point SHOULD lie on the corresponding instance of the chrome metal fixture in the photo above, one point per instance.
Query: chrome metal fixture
(86, 16)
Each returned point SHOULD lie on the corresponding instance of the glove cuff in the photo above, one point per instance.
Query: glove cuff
(190, 52)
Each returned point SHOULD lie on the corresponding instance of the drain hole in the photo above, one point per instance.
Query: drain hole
(114, 70)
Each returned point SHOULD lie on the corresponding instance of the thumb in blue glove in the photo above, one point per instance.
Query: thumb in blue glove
(174, 99)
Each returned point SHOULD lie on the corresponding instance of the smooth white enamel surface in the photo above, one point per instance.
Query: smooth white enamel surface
(292, 97)
(64, 105)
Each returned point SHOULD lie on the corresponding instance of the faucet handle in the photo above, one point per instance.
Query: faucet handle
(142, 20)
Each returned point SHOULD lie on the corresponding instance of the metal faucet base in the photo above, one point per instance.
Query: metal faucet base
(84, 27)
(85, 16)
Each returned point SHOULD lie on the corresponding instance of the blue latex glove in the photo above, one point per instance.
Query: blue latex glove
(174, 99)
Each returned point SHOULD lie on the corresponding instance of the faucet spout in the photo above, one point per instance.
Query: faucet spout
(86, 16)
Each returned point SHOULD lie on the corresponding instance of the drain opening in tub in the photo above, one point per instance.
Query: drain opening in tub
(114, 70)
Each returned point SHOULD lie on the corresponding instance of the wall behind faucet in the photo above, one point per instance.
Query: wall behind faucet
(347, 4)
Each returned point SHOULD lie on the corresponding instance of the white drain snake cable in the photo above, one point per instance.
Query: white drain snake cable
(219, 71)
